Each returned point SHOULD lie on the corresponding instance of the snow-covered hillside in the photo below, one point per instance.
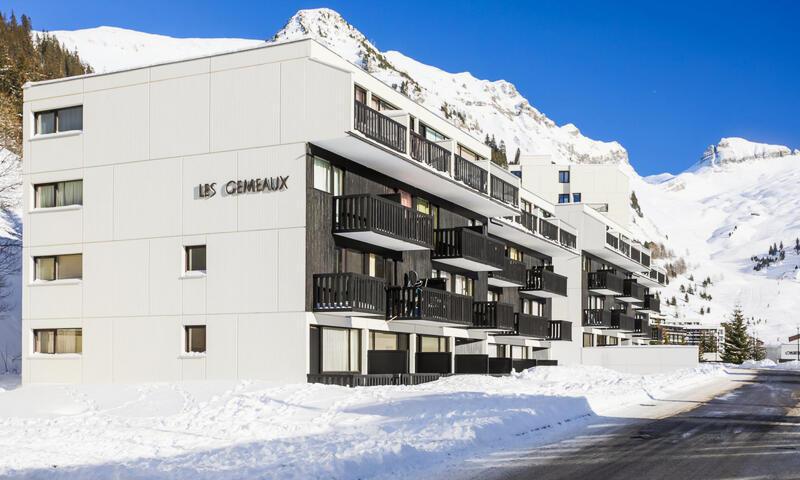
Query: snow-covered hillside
(740, 199)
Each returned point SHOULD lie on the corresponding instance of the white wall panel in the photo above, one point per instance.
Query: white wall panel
(99, 276)
(116, 125)
(245, 107)
(146, 349)
(97, 351)
(214, 214)
(273, 346)
(98, 204)
(179, 116)
(166, 267)
(131, 277)
(221, 347)
(54, 227)
(147, 200)
(59, 152)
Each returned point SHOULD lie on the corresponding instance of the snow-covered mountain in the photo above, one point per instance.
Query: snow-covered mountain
(737, 200)
(741, 198)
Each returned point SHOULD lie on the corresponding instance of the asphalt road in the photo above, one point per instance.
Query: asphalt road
(752, 432)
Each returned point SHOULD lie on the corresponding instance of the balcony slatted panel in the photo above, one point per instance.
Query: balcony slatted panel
(470, 174)
(340, 292)
(504, 191)
(430, 153)
(376, 126)
(356, 213)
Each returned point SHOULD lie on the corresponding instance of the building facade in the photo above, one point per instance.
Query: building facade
(277, 213)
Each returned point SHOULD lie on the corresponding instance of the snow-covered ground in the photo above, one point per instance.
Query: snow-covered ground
(252, 429)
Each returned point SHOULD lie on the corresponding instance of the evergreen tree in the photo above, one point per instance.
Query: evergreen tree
(737, 347)
(701, 310)
(516, 156)
(686, 298)
(758, 352)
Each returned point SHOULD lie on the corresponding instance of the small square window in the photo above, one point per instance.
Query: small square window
(196, 258)
(195, 338)
(563, 176)
(576, 197)
(563, 198)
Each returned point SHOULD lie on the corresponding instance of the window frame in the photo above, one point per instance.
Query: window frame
(56, 268)
(54, 331)
(334, 177)
(577, 197)
(39, 186)
(564, 197)
(56, 121)
(563, 176)
(187, 264)
(187, 338)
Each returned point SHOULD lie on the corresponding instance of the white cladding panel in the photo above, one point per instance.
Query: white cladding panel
(116, 125)
(147, 199)
(179, 116)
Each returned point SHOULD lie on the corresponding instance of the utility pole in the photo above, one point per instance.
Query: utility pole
(798, 344)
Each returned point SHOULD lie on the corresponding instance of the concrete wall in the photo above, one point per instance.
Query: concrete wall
(642, 359)
(150, 137)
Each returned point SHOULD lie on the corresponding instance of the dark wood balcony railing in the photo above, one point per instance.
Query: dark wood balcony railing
(529, 221)
(540, 279)
(612, 241)
(548, 230)
(560, 330)
(622, 321)
(606, 280)
(659, 277)
(568, 239)
(358, 213)
(348, 292)
(380, 128)
(597, 318)
(430, 153)
(513, 271)
(463, 242)
(652, 303)
(504, 191)
(532, 325)
(470, 174)
(632, 289)
(636, 255)
(430, 304)
(645, 259)
(493, 315)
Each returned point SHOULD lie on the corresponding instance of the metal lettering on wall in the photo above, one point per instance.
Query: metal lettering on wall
(238, 187)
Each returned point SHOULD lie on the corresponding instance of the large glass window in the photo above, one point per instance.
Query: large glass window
(388, 341)
(58, 267)
(195, 338)
(361, 95)
(463, 285)
(563, 176)
(532, 307)
(59, 120)
(58, 340)
(430, 133)
(58, 194)
(341, 349)
(467, 153)
(563, 198)
(587, 339)
(196, 258)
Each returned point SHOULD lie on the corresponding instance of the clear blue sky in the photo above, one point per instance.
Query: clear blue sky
(665, 79)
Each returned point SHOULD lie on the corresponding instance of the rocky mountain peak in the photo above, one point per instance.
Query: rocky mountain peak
(733, 150)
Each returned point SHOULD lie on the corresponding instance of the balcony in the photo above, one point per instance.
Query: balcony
(597, 318)
(632, 292)
(512, 275)
(643, 329)
(349, 294)
(377, 126)
(382, 222)
(428, 306)
(465, 248)
(504, 191)
(636, 256)
(651, 305)
(620, 321)
(551, 237)
(493, 316)
(655, 277)
(532, 326)
(606, 282)
(560, 330)
(542, 282)
(430, 153)
(470, 174)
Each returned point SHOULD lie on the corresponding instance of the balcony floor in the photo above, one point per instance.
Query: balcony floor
(384, 241)
(499, 282)
(466, 264)
(625, 299)
(519, 235)
(605, 291)
(540, 294)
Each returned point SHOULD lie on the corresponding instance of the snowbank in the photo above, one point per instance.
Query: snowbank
(769, 364)
(252, 429)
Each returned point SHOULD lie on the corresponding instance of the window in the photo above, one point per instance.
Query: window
(500, 351)
(467, 153)
(492, 296)
(327, 177)
(423, 206)
(58, 194)
(388, 341)
(526, 206)
(596, 303)
(430, 133)
(195, 338)
(377, 103)
(58, 267)
(60, 120)
(58, 340)
(361, 95)
(532, 307)
(587, 339)
(463, 285)
(563, 176)
(514, 253)
(427, 343)
(563, 198)
(576, 198)
(196, 258)
(519, 352)
(341, 349)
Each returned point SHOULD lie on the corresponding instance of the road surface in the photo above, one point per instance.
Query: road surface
(751, 432)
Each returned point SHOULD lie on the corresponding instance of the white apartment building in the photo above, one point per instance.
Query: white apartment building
(278, 213)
